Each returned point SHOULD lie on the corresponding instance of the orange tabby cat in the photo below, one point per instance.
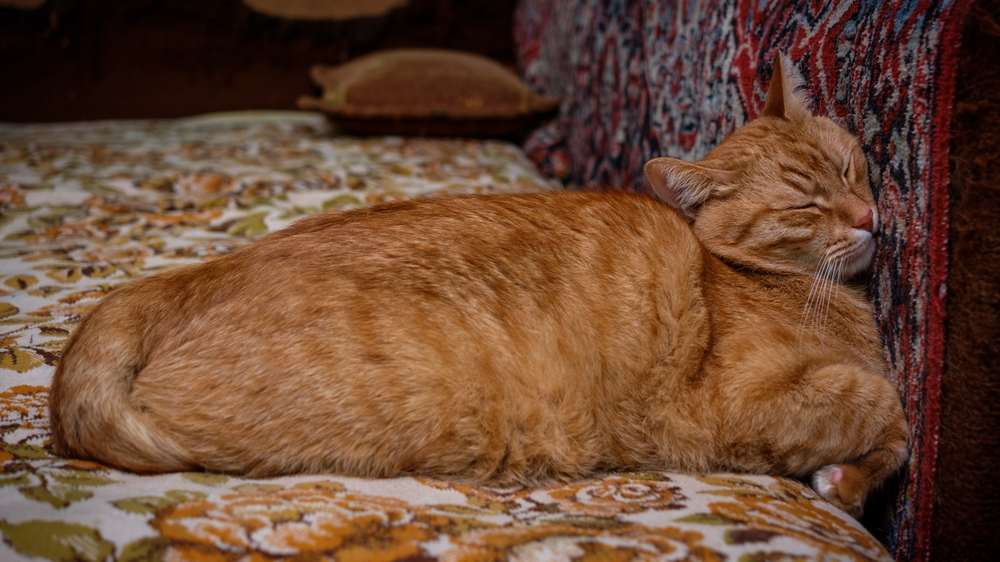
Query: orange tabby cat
(521, 338)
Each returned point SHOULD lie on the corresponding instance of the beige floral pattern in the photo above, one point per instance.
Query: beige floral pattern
(88, 206)
(618, 494)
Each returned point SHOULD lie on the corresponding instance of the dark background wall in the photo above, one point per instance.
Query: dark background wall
(95, 59)
(967, 502)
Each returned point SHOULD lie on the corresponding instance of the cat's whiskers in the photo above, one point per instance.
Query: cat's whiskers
(821, 300)
(804, 319)
(838, 269)
(814, 291)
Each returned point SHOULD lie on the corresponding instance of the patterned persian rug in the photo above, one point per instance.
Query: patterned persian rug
(86, 207)
(659, 77)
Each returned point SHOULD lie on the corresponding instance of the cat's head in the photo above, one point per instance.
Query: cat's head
(786, 192)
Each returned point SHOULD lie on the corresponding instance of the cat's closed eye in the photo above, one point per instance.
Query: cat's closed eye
(811, 205)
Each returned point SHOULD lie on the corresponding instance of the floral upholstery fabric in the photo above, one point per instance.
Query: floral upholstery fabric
(88, 206)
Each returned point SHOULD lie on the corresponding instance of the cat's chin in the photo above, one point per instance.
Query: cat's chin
(861, 259)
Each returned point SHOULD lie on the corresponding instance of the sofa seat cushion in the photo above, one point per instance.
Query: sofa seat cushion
(85, 207)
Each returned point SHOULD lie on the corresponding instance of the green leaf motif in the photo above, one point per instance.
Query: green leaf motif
(42, 222)
(56, 496)
(98, 189)
(57, 541)
(7, 309)
(15, 480)
(65, 274)
(206, 478)
(18, 360)
(341, 201)
(180, 496)
(19, 235)
(82, 478)
(30, 452)
(53, 331)
(250, 225)
(149, 549)
(706, 519)
(257, 487)
(458, 509)
(141, 504)
(151, 504)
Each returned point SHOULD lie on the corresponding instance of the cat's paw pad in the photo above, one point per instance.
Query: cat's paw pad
(842, 485)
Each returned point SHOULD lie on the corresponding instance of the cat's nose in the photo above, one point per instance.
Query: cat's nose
(866, 221)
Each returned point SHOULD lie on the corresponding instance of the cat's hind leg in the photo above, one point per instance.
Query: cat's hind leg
(874, 401)
(847, 485)
(838, 423)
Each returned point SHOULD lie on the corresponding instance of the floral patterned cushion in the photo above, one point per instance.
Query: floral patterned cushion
(87, 206)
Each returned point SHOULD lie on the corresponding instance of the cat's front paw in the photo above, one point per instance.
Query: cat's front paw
(842, 485)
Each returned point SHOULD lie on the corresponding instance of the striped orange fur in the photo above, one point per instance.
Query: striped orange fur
(521, 338)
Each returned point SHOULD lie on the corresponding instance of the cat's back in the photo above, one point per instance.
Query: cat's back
(542, 243)
(500, 259)
(496, 253)
(505, 316)
(487, 225)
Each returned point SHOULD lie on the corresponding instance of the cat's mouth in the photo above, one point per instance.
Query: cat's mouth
(859, 255)
(849, 257)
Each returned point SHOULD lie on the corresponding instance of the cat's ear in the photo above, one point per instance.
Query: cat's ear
(686, 185)
(784, 97)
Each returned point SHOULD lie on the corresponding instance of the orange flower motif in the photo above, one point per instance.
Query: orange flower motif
(614, 495)
(567, 542)
(483, 496)
(199, 190)
(28, 405)
(309, 518)
(790, 509)
(201, 185)
(11, 196)
(197, 218)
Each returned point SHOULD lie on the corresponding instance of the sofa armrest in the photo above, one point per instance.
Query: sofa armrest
(967, 490)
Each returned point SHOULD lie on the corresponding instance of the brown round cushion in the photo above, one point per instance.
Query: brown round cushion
(434, 91)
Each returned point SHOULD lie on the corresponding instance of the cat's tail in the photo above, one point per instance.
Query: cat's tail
(92, 413)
